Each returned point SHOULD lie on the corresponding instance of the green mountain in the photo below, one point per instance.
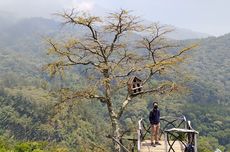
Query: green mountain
(211, 66)
(29, 110)
(183, 34)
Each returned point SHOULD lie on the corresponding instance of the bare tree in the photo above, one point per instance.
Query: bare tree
(112, 56)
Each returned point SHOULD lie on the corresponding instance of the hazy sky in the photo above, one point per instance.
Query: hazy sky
(207, 16)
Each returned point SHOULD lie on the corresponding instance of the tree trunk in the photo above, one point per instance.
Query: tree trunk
(115, 130)
(113, 116)
(116, 135)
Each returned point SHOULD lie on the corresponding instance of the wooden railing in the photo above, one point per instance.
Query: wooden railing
(169, 126)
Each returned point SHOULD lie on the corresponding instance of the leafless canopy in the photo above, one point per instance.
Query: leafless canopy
(115, 48)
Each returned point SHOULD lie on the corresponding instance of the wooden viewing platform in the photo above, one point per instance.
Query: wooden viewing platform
(176, 136)
(146, 147)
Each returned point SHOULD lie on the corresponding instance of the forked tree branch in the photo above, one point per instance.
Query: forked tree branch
(124, 105)
(180, 53)
(85, 95)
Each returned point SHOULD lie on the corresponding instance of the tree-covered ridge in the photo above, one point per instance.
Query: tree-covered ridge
(211, 65)
(24, 87)
(30, 117)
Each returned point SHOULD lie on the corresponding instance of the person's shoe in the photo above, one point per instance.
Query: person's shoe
(152, 144)
(157, 143)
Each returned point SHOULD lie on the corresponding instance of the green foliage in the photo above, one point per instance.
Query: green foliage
(30, 147)
(5, 144)
(210, 120)
(210, 65)
(209, 144)
(26, 115)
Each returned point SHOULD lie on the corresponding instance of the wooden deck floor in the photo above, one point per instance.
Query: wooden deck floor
(146, 147)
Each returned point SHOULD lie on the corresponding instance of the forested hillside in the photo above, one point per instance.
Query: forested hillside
(211, 65)
(31, 116)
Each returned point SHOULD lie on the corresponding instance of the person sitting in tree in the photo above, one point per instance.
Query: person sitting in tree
(154, 118)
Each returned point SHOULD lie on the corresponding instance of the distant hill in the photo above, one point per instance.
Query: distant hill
(183, 34)
(25, 39)
(23, 52)
(41, 26)
(179, 33)
(210, 63)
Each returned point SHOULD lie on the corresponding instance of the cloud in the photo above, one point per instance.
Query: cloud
(29, 8)
(86, 6)
(44, 8)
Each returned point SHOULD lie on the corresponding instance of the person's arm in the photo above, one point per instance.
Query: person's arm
(159, 114)
(150, 117)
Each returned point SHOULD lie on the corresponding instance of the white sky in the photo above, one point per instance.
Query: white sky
(206, 16)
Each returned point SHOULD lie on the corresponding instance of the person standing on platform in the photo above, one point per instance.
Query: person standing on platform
(154, 118)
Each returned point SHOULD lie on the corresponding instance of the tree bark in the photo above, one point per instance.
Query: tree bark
(115, 129)
(113, 116)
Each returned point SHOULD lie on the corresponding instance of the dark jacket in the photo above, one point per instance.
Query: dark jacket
(154, 116)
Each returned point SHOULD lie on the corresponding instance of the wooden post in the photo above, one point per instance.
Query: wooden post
(139, 136)
(195, 136)
(166, 143)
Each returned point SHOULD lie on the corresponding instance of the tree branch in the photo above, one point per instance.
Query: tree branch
(85, 95)
(177, 55)
(127, 74)
(86, 21)
(124, 105)
(120, 24)
(162, 89)
(151, 74)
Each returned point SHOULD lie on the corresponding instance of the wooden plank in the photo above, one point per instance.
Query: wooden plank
(181, 130)
(146, 147)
